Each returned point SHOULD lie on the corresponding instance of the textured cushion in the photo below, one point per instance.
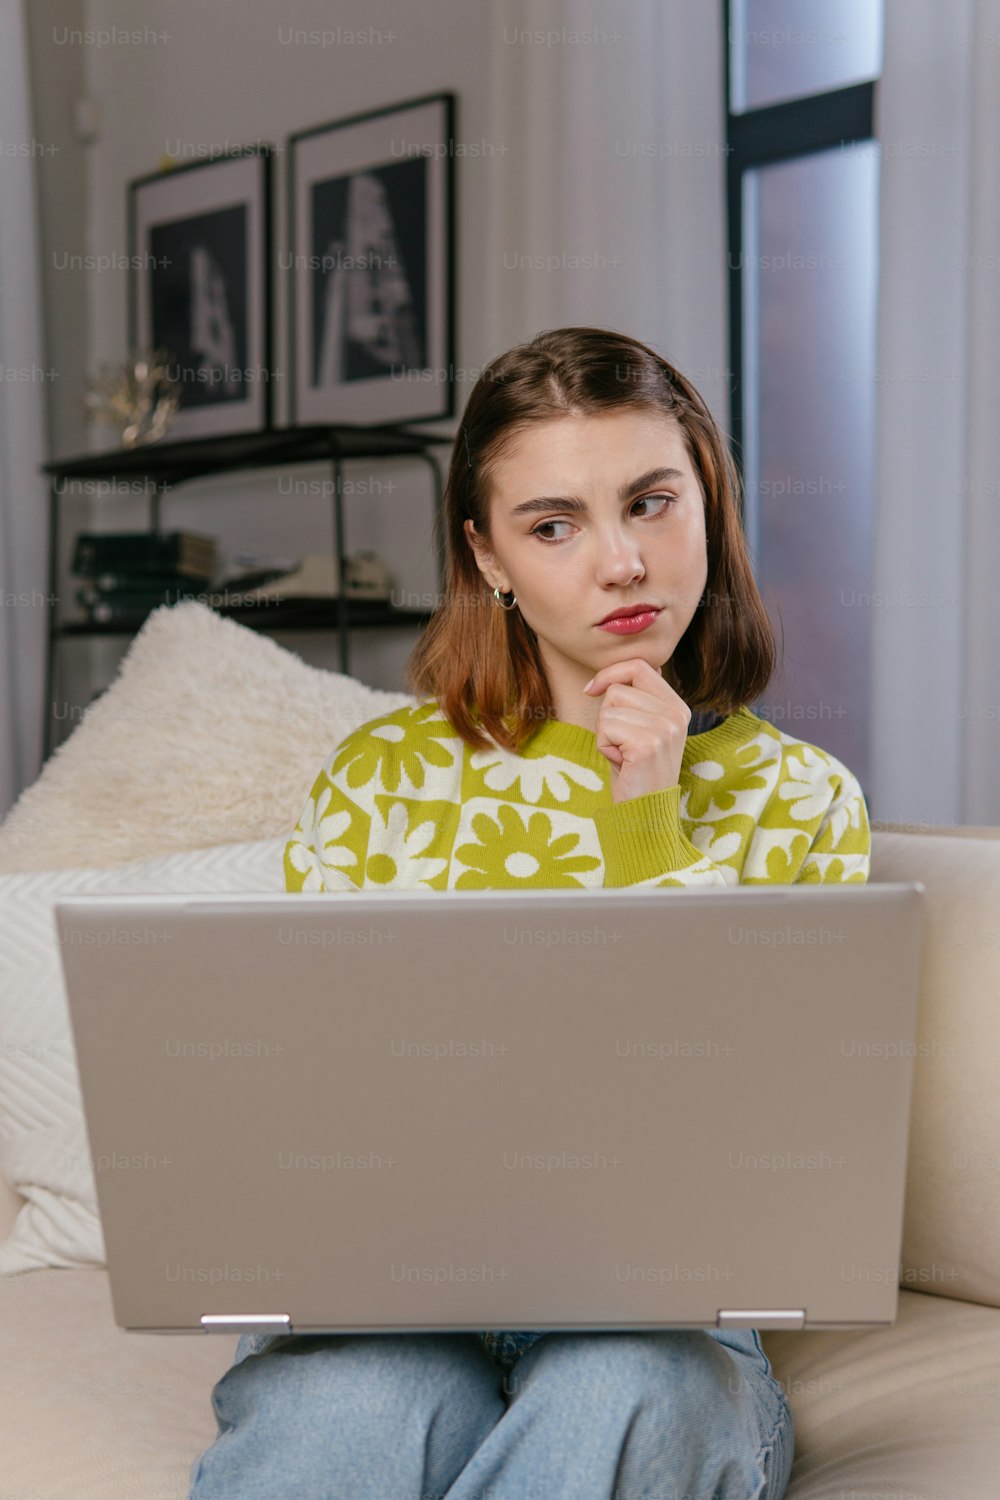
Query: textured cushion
(209, 734)
(951, 1229)
(43, 1143)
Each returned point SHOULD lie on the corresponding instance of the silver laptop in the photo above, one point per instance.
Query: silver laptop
(467, 1110)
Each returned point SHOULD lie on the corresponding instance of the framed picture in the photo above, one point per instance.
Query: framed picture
(200, 287)
(371, 261)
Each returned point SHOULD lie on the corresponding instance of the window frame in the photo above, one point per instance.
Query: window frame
(762, 136)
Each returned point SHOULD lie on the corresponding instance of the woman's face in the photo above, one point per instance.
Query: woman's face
(573, 548)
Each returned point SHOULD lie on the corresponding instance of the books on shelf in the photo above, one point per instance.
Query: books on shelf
(106, 608)
(138, 572)
(315, 579)
(144, 553)
(98, 585)
(125, 574)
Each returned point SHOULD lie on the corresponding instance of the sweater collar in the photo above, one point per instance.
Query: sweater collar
(554, 737)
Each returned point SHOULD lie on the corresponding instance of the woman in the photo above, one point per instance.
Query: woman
(554, 747)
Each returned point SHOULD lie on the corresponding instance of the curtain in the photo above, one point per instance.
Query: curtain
(23, 492)
(607, 190)
(935, 612)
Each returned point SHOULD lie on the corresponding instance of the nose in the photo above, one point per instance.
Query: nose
(619, 559)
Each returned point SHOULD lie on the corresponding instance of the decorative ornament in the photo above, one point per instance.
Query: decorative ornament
(140, 397)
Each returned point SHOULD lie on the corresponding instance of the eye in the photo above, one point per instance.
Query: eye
(668, 500)
(537, 530)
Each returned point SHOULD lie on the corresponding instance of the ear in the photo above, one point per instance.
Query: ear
(485, 561)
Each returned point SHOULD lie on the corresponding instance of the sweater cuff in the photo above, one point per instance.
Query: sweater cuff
(641, 837)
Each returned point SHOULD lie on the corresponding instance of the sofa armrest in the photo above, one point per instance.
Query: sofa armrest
(951, 831)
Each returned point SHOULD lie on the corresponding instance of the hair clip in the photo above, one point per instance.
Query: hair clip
(468, 455)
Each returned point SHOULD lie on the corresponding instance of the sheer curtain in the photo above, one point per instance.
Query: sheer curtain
(23, 502)
(607, 205)
(936, 604)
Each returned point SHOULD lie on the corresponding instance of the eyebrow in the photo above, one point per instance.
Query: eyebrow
(574, 504)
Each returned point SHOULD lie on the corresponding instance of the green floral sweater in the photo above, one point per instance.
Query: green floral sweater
(403, 801)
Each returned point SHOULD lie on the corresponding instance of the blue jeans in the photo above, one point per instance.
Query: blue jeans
(674, 1414)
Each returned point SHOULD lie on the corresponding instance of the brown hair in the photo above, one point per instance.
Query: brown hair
(481, 662)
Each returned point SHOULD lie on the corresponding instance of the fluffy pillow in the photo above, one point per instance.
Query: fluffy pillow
(209, 734)
(44, 1151)
(951, 1227)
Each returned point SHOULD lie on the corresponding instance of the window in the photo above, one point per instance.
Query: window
(784, 49)
(803, 176)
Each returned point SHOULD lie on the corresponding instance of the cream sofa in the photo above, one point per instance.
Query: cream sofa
(910, 1412)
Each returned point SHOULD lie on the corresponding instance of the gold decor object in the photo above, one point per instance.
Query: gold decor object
(139, 397)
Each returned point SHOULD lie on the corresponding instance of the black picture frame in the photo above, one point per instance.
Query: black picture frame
(371, 266)
(201, 287)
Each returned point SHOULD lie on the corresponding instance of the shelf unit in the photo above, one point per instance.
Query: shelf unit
(165, 465)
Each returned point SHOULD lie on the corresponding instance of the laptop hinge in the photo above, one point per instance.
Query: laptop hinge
(770, 1317)
(246, 1322)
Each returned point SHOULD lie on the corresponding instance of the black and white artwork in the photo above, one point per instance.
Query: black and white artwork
(200, 288)
(371, 261)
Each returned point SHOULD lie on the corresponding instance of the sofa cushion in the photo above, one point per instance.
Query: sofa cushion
(43, 1142)
(907, 1412)
(951, 1230)
(93, 1412)
(209, 734)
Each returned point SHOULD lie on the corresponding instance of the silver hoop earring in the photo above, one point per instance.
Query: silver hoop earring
(513, 598)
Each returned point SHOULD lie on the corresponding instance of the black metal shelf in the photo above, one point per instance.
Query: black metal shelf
(168, 464)
(362, 615)
(175, 463)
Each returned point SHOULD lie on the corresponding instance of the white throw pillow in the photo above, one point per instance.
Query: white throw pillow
(210, 733)
(44, 1150)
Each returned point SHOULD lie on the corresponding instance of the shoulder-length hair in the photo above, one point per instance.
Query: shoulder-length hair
(481, 662)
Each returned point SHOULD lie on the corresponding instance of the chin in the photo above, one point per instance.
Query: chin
(631, 649)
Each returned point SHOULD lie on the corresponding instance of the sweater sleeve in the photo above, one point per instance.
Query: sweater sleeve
(643, 844)
(814, 828)
(328, 847)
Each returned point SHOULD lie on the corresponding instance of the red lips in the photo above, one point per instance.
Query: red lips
(630, 609)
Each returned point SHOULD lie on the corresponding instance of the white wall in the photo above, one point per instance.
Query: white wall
(608, 147)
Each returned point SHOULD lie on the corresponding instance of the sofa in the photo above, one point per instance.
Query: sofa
(187, 773)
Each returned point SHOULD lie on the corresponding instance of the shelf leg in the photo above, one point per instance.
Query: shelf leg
(48, 706)
(338, 533)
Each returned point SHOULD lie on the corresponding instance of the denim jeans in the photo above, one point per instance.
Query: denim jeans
(673, 1414)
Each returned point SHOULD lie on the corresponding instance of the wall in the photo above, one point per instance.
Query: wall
(607, 147)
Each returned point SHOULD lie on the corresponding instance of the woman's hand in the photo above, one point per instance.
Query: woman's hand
(641, 727)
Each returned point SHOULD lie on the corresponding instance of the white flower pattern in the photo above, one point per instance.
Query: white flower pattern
(717, 846)
(808, 794)
(538, 774)
(329, 829)
(390, 836)
(304, 861)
